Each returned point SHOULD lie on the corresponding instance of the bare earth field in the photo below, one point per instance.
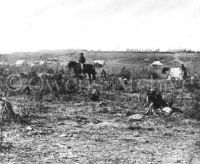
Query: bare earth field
(81, 131)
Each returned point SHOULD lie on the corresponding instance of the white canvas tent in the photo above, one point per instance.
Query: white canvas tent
(3, 63)
(64, 63)
(20, 62)
(99, 62)
(42, 62)
(31, 64)
(157, 63)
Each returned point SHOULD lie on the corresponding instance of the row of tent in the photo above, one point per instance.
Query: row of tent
(42, 62)
(64, 63)
(24, 62)
(33, 63)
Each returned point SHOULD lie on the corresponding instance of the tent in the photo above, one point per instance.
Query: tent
(63, 63)
(42, 62)
(20, 62)
(99, 62)
(3, 63)
(157, 63)
(31, 64)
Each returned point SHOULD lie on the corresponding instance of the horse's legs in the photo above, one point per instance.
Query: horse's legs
(93, 76)
(90, 78)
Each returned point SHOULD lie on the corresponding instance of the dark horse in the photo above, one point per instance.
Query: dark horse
(87, 68)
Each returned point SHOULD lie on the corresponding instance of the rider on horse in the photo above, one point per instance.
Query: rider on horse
(82, 62)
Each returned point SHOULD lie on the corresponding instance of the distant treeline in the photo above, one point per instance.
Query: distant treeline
(158, 50)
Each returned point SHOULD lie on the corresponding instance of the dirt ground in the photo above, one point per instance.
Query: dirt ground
(83, 132)
(80, 131)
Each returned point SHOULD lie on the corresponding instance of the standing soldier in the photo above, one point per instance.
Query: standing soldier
(184, 69)
(82, 62)
(103, 75)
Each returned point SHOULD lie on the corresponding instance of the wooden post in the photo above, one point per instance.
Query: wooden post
(182, 97)
(1, 127)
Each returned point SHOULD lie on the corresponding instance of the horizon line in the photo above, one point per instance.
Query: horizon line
(135, 50)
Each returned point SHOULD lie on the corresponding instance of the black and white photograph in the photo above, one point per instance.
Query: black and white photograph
(99, 82)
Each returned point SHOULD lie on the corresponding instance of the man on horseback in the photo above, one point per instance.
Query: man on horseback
(82, 62)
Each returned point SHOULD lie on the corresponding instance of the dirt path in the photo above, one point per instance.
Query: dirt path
(177, 58)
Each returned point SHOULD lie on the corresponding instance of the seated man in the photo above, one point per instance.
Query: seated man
(155, 101)
(156, 98)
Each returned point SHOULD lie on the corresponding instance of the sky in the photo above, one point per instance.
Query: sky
(32, 25)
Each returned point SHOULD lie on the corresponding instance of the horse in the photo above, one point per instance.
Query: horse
(87, 68)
